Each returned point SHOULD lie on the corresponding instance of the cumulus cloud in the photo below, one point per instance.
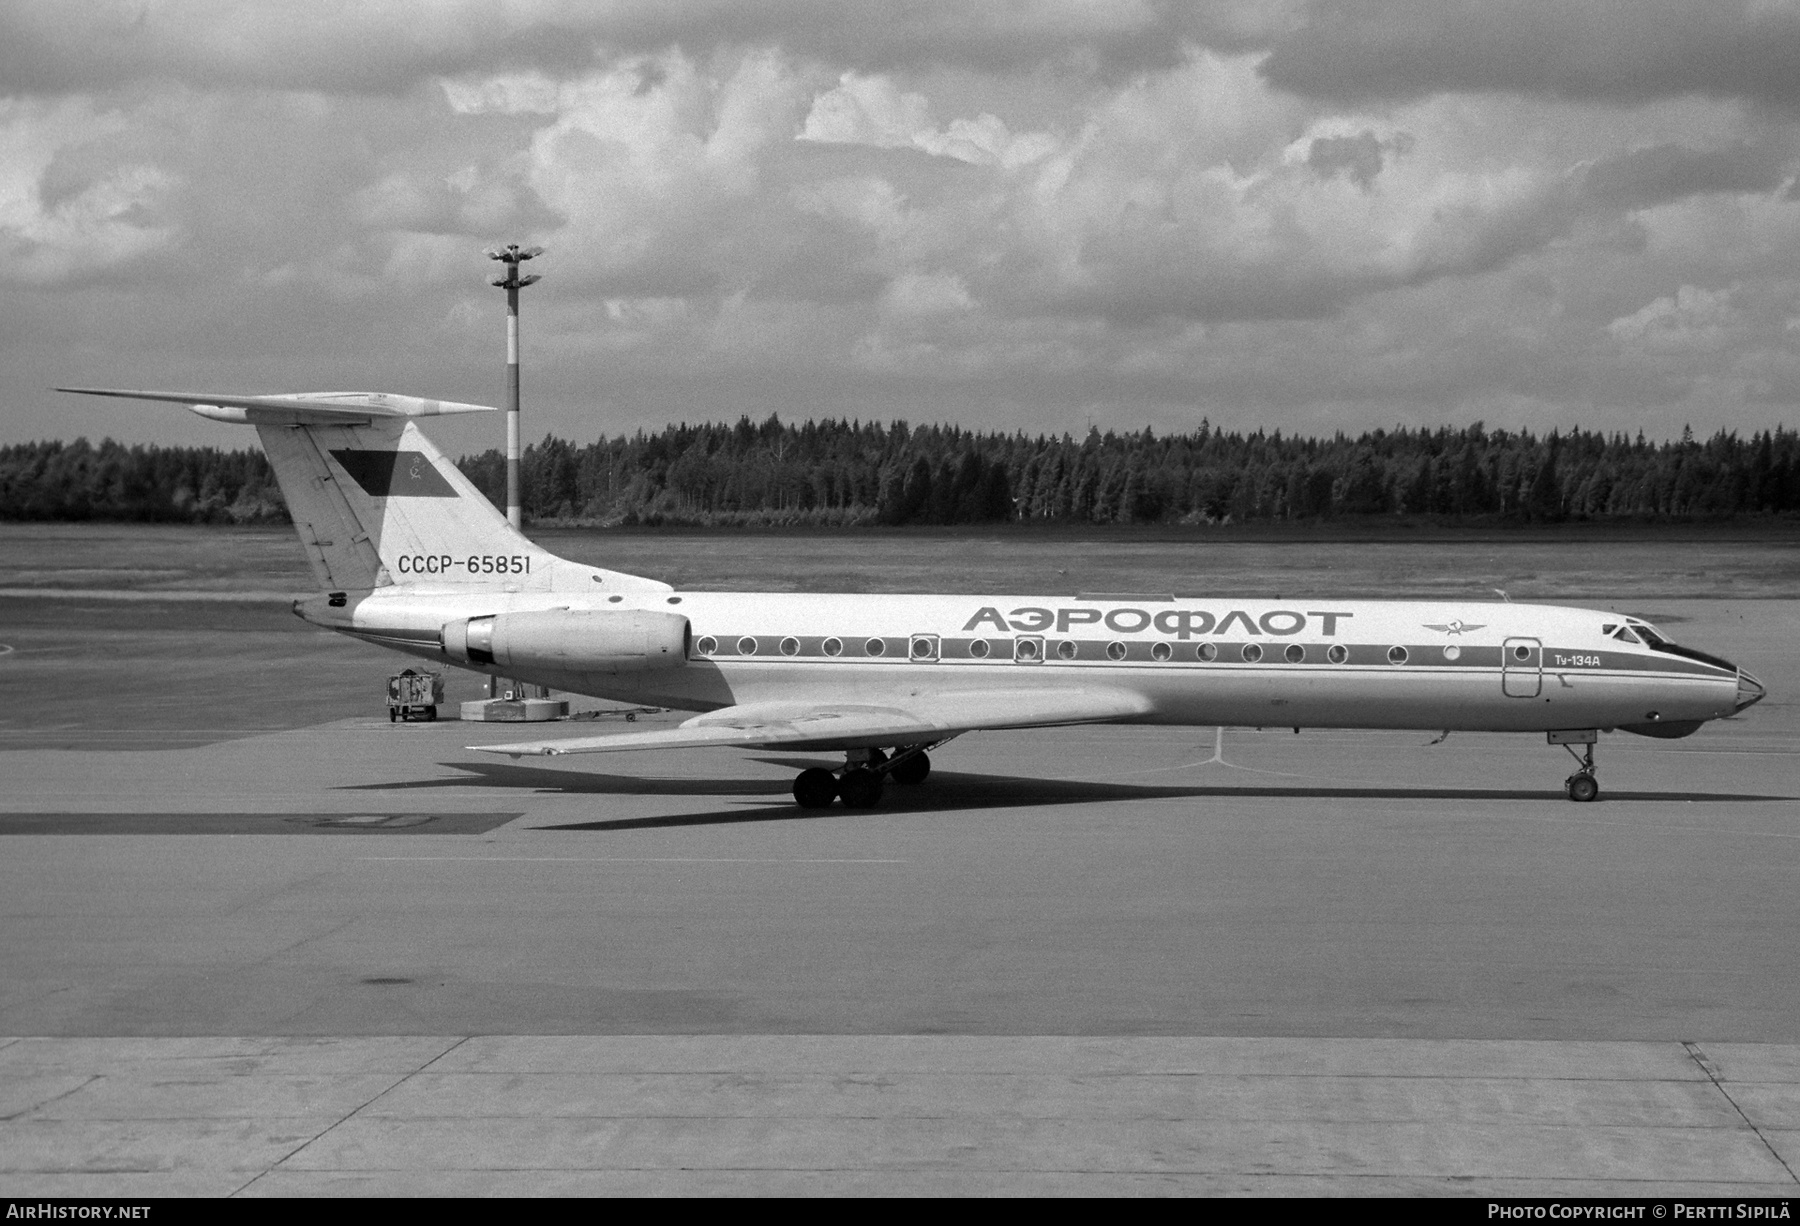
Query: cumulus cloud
(1692, 318)
(66, 210)
(1007, 213)
(388, 46)
(873, 111)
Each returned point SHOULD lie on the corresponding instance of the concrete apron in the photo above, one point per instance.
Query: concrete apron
(963, 1115)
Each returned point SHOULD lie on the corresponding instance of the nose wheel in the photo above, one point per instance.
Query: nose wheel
(1582, 787)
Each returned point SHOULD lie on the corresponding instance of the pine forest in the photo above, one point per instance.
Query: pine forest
(835, 473)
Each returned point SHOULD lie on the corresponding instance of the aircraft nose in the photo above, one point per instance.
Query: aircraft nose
(1750, 690)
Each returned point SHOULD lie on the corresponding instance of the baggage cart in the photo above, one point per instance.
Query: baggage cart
(414, 695)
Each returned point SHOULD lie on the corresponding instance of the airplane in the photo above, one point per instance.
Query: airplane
(410, 555)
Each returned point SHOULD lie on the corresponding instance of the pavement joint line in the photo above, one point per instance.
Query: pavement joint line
(92, 1078)
(623, 860)
(1638, 826)
(383, 1092)
(1150, 1075)
(1699, 1057)
(296, 944)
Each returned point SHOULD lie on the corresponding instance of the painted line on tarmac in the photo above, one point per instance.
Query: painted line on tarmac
(150, 594)
(625, 860)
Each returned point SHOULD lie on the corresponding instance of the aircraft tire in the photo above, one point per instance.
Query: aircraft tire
(860, 788)
(912, 771)
(1583, 788)
(815, 789)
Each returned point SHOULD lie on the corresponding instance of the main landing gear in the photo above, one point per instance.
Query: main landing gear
(860, 783)
(1581, 786)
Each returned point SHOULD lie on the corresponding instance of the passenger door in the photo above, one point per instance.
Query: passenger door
(1522, 668)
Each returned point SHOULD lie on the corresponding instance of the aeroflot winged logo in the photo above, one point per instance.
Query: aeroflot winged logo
(1182, 623)
(1457, 627)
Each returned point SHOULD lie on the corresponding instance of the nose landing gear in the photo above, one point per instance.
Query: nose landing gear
(860, 783)
(1581, 786)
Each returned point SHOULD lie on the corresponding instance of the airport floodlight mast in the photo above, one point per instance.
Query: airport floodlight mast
(512, 255)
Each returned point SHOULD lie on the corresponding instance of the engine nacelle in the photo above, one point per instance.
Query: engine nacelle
(571, 640)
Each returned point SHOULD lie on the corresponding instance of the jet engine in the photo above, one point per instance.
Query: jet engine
(571, 640)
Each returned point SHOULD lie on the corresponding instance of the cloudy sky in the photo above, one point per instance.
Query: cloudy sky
(1032, 214)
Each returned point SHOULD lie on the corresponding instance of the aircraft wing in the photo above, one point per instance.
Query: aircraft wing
(826, 725)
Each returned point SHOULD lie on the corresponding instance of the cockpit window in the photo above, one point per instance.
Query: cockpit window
(1624, 635)
(1658, 642)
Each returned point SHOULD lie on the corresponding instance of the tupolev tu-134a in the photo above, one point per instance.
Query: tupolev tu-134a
(412, 556)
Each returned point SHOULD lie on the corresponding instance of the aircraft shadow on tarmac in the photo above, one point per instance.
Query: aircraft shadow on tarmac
(948, 791)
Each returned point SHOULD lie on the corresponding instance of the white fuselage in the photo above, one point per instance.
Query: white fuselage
(1332, 663)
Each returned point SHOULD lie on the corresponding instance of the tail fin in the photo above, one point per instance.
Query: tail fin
(375, 504)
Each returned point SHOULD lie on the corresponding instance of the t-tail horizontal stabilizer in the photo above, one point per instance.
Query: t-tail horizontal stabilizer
(301, 407)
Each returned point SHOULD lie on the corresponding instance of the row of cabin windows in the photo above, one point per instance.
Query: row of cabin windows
(1032, 649)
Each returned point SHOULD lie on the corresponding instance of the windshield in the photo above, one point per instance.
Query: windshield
(1660, 642)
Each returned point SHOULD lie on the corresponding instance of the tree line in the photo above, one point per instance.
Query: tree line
(835, 472)
(82, 481)
(849, 473)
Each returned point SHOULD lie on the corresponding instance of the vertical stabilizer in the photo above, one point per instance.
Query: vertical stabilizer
(341, 550)
(376, 505)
